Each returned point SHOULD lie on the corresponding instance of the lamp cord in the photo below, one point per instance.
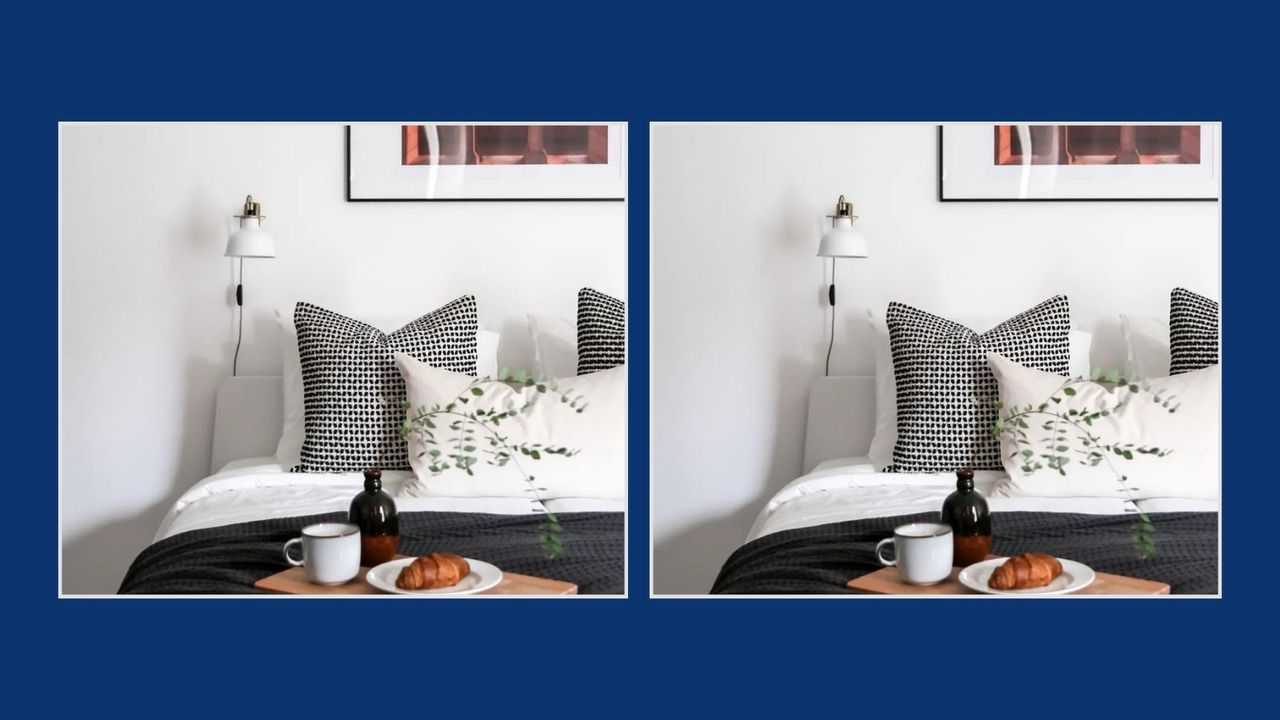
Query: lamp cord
(239, 333)
(831, 298)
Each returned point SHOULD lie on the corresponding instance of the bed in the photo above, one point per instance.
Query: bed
(226, 532)
(820, 530)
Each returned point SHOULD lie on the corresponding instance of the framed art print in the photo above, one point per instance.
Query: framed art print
(1078, 161)
(486, 161)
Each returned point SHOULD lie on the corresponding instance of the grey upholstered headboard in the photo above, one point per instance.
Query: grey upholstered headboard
(842, 418)
(247, 419)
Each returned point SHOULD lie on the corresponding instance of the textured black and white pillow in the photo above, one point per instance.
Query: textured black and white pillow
(602, 331)
(941, 367)
(1193, 331)
(351, 389)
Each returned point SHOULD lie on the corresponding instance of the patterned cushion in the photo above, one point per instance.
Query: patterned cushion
(940, 368)
(602, 331)
(1193, 331)
(352, 390)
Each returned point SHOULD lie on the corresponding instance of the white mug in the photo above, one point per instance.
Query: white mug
(922, 552)
(330, 552)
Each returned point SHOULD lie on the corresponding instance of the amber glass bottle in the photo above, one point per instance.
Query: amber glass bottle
(965, 510)
(374, 512)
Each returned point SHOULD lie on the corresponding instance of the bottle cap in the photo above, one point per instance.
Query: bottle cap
(963, 473)
(372, 479)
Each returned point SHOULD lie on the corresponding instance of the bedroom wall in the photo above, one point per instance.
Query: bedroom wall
(148, 320)
(739, 318)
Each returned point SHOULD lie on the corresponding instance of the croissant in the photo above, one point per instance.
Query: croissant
(437, 570)
(1029, 570)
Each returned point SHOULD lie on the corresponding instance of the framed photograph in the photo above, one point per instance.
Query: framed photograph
(1079, 162)
(487, 161)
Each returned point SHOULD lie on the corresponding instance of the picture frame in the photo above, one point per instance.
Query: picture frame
(1079, 162)
(456, 162)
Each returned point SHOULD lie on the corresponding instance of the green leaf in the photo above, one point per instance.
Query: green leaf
(477, 391)
(1068, 390)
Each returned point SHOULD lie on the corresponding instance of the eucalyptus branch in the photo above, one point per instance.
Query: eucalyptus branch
(1011, 424)
(465, 417)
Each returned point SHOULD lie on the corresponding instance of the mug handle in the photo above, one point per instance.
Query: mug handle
(291, 561)
(878, 555)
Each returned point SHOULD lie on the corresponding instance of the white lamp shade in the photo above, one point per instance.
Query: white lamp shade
(843, 241)
(250, 241)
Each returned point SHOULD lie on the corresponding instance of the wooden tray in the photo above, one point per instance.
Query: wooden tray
(294, 582)
(886, 582)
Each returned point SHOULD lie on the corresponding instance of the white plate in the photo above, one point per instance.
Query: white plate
(1075, 576)
(482, 577)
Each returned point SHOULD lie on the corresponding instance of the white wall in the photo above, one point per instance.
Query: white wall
(148, 321)
(739, 319)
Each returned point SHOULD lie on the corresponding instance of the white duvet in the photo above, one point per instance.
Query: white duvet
(851, 489)
(259, 489)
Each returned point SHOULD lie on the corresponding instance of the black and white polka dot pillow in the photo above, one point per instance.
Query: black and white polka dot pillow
(941, 366)
(602, 331)
(351, 390)
(1193, 331)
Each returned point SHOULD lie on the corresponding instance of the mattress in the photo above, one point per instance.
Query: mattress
(851, 489)
(261, 489)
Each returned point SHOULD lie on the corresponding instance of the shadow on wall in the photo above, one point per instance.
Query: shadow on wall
(95, 562)
(688, 562)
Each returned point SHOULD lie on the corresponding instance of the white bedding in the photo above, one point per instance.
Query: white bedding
(259, 488)
(851, 489)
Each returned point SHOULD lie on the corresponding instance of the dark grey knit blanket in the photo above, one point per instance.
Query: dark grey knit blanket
(822, 559)
(231, 558)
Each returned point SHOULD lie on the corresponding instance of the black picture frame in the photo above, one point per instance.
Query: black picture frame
(347, 184)
(943, 198)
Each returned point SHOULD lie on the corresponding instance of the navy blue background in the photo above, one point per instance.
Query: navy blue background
(636, 62)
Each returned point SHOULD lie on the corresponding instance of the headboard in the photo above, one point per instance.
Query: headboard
(247, 420)
(842, 418)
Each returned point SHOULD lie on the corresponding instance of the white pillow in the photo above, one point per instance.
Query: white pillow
(555, 346)
(1191, 470)
(487, 353)
(1147, 341)
(293, 433)
(599, 434)
(886, 435)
